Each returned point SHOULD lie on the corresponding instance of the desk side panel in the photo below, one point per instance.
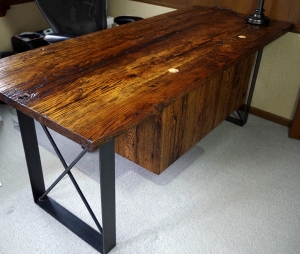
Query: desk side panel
(160, 140)
(203, 109)
(142, 144)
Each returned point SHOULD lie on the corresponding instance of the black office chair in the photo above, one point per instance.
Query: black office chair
(70, 18)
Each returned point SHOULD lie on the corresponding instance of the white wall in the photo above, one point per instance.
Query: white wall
(278, 83)
(20, 18)
(125, 7)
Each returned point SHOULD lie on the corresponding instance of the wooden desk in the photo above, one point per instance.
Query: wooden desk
(115, 84)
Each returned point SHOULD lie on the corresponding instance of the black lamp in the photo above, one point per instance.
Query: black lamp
(259, 18)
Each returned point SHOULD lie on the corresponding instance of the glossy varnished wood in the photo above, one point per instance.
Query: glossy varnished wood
(283, 10)
(93, 88)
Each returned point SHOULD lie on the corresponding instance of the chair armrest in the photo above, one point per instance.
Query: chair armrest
(56, 37)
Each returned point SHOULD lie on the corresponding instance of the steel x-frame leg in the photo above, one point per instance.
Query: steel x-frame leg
(243, 118)
(104, 240)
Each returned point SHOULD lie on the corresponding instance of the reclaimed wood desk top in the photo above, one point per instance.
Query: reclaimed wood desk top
(94, 87)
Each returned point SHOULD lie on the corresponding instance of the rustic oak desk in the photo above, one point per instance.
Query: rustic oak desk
(115, 85)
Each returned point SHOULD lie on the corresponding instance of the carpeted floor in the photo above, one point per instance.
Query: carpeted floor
(236, 191)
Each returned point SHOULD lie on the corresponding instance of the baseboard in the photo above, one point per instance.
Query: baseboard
(270, 117)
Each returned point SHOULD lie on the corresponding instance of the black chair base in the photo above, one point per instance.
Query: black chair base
(121, 20)
(19, 45)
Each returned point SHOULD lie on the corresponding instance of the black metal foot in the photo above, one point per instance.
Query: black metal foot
(242, 119)
(73, 223)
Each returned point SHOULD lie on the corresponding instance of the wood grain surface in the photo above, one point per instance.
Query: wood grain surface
(159, 141)
(94, 87)
(282, 10)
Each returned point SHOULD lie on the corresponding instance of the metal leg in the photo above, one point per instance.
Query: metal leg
(68, 171)
(108, 196)
(32, 155)
(243, 120)
(106, 239)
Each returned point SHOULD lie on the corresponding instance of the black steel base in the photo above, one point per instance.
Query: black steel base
(73, 223)
(242, 119)
(105, 239)
(237, 121)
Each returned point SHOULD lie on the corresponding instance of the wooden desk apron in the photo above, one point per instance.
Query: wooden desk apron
(97, 87)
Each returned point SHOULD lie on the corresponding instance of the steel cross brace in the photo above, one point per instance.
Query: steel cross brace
(106, 239)
(242, 120)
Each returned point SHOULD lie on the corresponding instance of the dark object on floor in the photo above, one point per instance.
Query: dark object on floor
(6, 53)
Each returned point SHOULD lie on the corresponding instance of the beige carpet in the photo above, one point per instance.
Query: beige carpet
(236, 191)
